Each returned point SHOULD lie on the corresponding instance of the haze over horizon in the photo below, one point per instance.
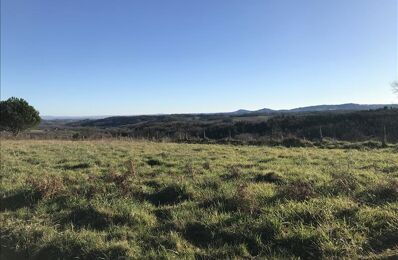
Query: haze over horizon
(92, 58)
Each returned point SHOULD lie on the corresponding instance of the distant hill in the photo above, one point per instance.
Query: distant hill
(72, 118)
(319, 108)
(241, 112)
(265, 111)
(343, 122)
(216, 118)
(342, 107)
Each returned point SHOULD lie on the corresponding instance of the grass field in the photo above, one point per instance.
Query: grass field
(143, 200)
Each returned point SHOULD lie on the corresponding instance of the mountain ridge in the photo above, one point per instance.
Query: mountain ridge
(319, 108)
(315, 108)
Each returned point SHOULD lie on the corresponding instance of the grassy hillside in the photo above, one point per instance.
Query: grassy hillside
(143, 200)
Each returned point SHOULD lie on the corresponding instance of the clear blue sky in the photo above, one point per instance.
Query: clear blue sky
(123, 57)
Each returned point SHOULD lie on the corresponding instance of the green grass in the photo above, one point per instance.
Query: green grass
(143, 200)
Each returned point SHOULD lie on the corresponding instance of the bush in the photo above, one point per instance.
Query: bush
(343, 183)
(299, 190)
(46, 186)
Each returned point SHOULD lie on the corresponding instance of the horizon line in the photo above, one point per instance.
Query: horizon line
(209, 113)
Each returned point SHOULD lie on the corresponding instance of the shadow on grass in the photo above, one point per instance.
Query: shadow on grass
(384, 241)
(305, 248)
(270, 177)
(224, 204)
(78, 166)
(163, 214)
(77, 251)
(170, 195)
(112, 252)
(203, 236)
(153, 184)
(381, 193)
(8, 254)
(153, 162)
(24, 198)
(87, 217)
(91, 218)
(199, 234)
(55, 252)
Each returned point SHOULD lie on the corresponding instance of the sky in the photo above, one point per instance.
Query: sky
(127, 57)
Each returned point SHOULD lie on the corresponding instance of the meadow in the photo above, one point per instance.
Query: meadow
(146, 200)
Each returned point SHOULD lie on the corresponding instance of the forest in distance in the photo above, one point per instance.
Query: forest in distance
(291, 129)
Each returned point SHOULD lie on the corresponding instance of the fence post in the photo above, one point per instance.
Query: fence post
(384, 141)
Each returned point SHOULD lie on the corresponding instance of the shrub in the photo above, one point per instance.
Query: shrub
(244, 200)
(46, 186)
(120, 180)
(190, 169)
(343, 183)
(234, 172)
(299, 190)
(213, 184)
(241, 199)
(207, 166)
(131, 169)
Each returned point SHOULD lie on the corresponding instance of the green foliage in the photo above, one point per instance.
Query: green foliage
(146, 200)
(17, 115)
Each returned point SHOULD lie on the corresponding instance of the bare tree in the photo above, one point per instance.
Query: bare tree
(394, 86)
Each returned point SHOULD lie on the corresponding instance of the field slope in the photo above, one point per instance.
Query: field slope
(143, 200)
